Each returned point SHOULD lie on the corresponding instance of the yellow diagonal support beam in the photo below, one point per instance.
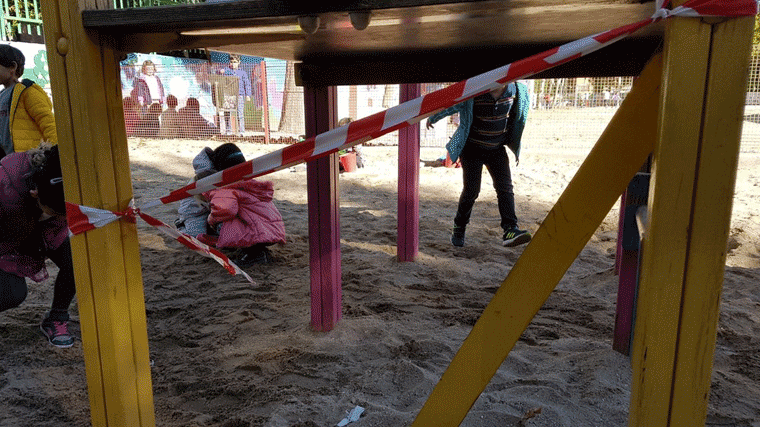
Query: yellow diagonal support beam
(89, 118)
(609, 167)
(693, 179)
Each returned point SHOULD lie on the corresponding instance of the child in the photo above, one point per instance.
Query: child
(170, 121)
(193, 211)
(25, 108)
(488, 123)
(356, 148)
(131, 115)
(194, 124)
(148, 87)
(244, 211)
(244, 93)
(150, 123)
(33, 228)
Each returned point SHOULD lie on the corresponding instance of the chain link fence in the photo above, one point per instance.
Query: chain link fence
(174, 97)
(567, 113)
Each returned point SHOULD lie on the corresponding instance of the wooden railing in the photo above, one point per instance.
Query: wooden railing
(21, 20)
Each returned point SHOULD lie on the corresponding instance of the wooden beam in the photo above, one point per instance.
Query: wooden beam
(221, 13)
(163, 42)
(689, 218)
(721, 135)
(89, 117)
(626, 57)
(247, 12)
(408, 233)
(324, 213)
(670, 203)
(407, 41)
(614, 160)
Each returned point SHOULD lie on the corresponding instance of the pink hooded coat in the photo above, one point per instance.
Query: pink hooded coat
(247, 214)
(23, 238)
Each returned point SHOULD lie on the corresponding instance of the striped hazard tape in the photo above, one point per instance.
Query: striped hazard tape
(82, 219)
(413, 111)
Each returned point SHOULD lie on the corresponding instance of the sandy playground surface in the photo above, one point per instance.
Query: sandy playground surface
(230, 354)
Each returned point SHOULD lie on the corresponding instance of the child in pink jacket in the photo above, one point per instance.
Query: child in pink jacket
(244, 211)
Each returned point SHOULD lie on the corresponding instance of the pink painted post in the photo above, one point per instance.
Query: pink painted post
(408, 182)
(627, 258)
(324, 216)
(626, 301)
(621, 216)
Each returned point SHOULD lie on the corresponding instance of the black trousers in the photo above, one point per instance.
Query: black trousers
(497, 162)
(13, 288)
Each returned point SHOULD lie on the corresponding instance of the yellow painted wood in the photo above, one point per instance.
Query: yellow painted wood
(617, 156)
(690, 206)
(711, 219)
(86, 95)
(131, 247)
(54, 23)
(665, 246)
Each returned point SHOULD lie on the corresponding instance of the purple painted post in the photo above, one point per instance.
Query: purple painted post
(621, 216)
(408, 182)
(626, 301)
(324, 216)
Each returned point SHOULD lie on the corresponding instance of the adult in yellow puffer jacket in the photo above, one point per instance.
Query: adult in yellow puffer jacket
(26, 112)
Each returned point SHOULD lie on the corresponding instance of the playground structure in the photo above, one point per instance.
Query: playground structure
(684, 108)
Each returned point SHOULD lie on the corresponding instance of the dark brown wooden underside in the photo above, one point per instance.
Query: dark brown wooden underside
(406, 41)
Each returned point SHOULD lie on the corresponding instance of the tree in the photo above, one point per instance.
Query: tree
(291, 120)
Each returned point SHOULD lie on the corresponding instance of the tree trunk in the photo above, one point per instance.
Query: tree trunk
(388, 96)
(291, 120)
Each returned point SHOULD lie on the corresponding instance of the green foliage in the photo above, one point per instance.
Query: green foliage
(27, 10)
(39, 69)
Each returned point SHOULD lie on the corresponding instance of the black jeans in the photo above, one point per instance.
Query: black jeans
(473, 158)
(13, 288)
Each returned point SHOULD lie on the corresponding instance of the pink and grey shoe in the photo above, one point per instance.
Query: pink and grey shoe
(57, 333)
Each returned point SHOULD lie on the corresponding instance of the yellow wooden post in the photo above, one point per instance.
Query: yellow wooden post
(690, 210)
(91, 133)
(617, 156)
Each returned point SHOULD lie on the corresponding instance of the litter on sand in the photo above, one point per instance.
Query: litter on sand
(353, 415)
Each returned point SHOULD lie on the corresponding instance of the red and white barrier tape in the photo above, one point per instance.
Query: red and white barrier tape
(82, 218)
(413, 111)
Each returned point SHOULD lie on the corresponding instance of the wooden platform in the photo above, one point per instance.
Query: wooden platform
(405, 42)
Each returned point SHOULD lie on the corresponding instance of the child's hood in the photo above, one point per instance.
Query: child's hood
(202, 162)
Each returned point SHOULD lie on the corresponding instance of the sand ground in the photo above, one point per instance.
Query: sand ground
(229, 354)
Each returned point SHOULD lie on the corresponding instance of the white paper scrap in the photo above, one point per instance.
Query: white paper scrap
(353, 415)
